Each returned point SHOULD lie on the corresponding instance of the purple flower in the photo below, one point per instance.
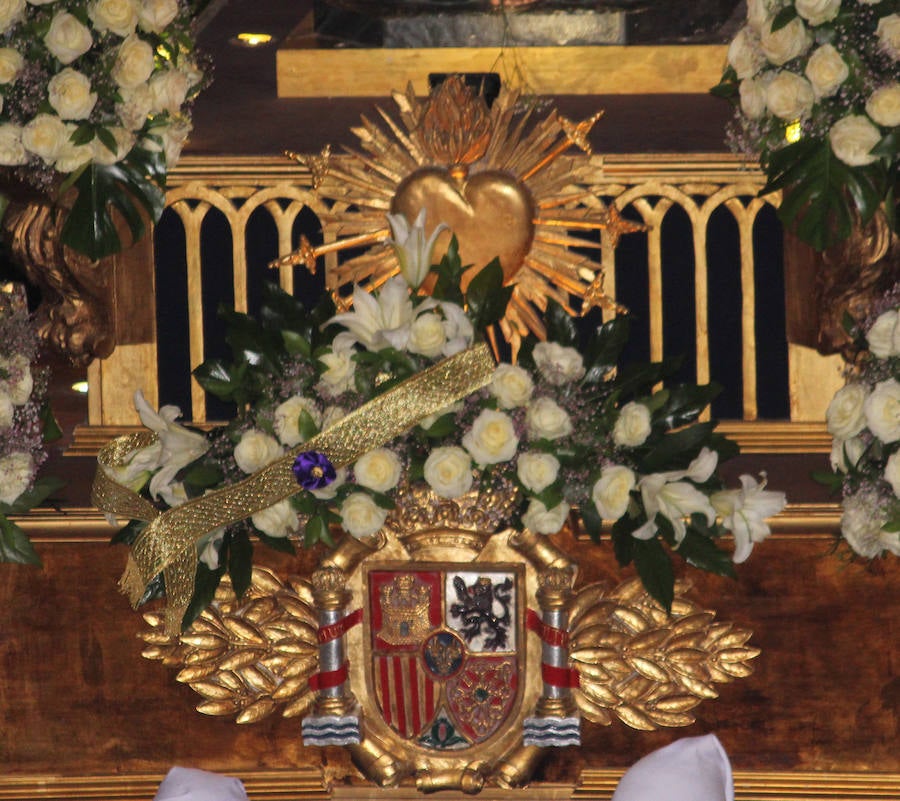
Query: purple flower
(313, 471)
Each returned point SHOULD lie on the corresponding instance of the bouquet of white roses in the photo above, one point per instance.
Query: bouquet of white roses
(864, 420)
(96, 95)
(818, 100)
(578, 437)
(26, 425)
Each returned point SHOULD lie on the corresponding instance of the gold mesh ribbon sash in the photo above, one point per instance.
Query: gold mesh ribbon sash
(167, 545)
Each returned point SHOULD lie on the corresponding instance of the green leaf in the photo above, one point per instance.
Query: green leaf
(226, 382)
(203, 475)
(593, 523)
(206, 582)
(51, 429)
(676, 449)
(15, 545)
(316, 531)
(655, 569)
(240, 561)
(306, 426)
(280, 544)
(604, 348)
(623, 542)
(449, 275)
(296, 344)
(784, 17)
(40, 491)
(486, 297)
(828, 479)
(686, 402)
(129, 532)
(702, 552)
(560, 325)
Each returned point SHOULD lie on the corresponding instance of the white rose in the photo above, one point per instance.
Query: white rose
(632, 427)
(287, 419)
(845, 415)
(361, 516)
(125, 140)
(426, 335)
(331, 415)
(786, 43)
(118, 16)
(846, 453)
(892, 472)
(884, 335)
(545, 419)
(329, 491)
(883, 105)
(744, 53)
(759, 12)
(448, 471)
(541, 520)
(537, 471)
(278, 520)
(11, 63)
(611, 492)
(69, 92)
(558, 364)
(67, 38)
(255, 450)
(753, 97)
(492, 438)
(11, 11)
(135, 107)
(882, 409)
(12, 151)
(19, 382)
(7, 410)
(45, 136)
(134, 62)
(174, 136)
(169, 90)
(852, 138)
(861, 524)
(888, 32)
(789, 96)
(511, 386)
(155, 15)
(826, 70)
(378, 470)
(16, 472)
(815, 12)
(71, 156)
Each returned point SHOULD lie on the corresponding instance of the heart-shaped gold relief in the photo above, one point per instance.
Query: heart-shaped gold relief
(491, 213)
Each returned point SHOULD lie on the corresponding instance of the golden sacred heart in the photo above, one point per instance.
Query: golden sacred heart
(491, 214)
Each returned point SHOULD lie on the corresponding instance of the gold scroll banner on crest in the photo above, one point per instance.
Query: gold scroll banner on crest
(167, 545)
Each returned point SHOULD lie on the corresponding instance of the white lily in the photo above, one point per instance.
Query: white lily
(674, 500)
(378, 321)
(412, 249)
(744, 512)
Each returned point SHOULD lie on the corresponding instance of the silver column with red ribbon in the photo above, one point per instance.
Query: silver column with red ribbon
(555, 721)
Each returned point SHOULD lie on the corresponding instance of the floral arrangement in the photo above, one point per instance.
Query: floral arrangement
(96, 96)
(26, 425)
(580, 438)
(816, 87)
(864, 421)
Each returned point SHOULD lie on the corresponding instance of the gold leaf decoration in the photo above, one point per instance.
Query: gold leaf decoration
(645, 667)
(246, 657)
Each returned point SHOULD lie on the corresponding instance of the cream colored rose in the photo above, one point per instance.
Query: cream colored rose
(69, 92)
(511, 386)
(155, 15)
(852, 139)
(12, 151)
(826, 70)
(329, 491)
(846, 453)
(11, 11)
(339, 373)
(11, 63)
(541, 520)
(135, 107)
(361, 516)
(492, 438)
(278, 520)
(845, 415)
(545, 419)
(759, 12)
(611, 492)
(752, 92)
(19, 382)
(124, 139)
(255, 450)
(118, 16)
(16, 472)
(892, 473)
(67, 38)
(884, 335)
(861, 524)
(815, 12)
(745, 55)
(785, 44)
(888, 33)
(45, 136)
(174, 137)
(883, 105)
(789, 96)
(7, 410)
(134, 62)
(287, 419)
(168, 90)
(537, 471)
(882, 409)
(559, 365)
(379, 470)
(426, 335)
(632, 427)
(331, 415)
(72, 157)
(448, 471)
